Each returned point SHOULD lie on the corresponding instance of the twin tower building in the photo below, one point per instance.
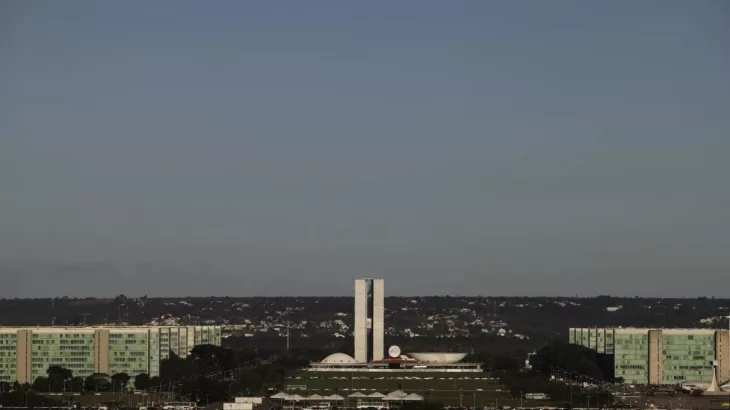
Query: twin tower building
(369, 329)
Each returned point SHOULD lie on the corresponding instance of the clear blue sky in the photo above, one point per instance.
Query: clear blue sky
(284, 148)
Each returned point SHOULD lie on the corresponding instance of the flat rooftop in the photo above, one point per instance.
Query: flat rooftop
(403, 367)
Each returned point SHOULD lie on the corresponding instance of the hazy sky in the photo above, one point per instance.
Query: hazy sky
(284, 148)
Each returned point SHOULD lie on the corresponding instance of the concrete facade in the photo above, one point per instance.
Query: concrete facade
(378, 319)
(101, 351)
(369, 331)
(660, 356)
(722, 354)
(656, 368)
(26, 353)
(361, 321)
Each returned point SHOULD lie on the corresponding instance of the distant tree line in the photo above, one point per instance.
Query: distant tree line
(535, 317)
(209, 373)
(549, 364)
(214, 373)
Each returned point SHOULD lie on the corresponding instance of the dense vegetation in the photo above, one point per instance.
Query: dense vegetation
(209, 373)
(213, 373)
(551, 364)
(535, 317)
(250, 365)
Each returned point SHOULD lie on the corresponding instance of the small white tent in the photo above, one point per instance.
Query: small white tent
(413, 397)
(396, 395)
(295, 397)
(357, 395)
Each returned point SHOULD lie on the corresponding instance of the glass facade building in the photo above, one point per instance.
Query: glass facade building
(660, 356)
(26, 353)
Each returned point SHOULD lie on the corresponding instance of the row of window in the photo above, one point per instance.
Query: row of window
(122, 359)
(690, 352)
(690, 367)
(71, 348)
(65, 335)
(697, 358)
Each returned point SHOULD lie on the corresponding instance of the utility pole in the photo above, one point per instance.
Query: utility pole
(287, 335)
(571, 395)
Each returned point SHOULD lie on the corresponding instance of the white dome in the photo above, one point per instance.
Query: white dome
(338, 358)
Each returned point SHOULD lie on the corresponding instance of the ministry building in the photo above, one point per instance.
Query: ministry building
(27, 352)
(660, 356)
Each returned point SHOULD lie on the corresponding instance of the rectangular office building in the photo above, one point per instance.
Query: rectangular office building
(26, 353)
(660, 356)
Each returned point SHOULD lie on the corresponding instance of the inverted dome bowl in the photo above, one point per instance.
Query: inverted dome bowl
(438, 358)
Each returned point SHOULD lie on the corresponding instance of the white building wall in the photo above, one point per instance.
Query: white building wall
(361, 320)
(253, 400)
(378, 319)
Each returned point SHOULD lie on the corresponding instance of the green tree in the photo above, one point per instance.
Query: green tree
(97, 382)
(155, 381)
(142, 381)
(40, 384)
(175, 368)
(120, 381)
(567, 357)
(212, 358)
(589, 368)
(77, 384)
(58, 376)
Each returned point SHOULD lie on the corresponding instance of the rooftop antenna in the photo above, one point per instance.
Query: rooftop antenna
(84, 315)
(287, 335)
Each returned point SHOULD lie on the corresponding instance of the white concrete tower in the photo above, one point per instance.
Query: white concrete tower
(378, 319)
(369, 332)
(361, 320)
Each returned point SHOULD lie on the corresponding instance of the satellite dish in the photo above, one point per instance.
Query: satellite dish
(394, 351)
